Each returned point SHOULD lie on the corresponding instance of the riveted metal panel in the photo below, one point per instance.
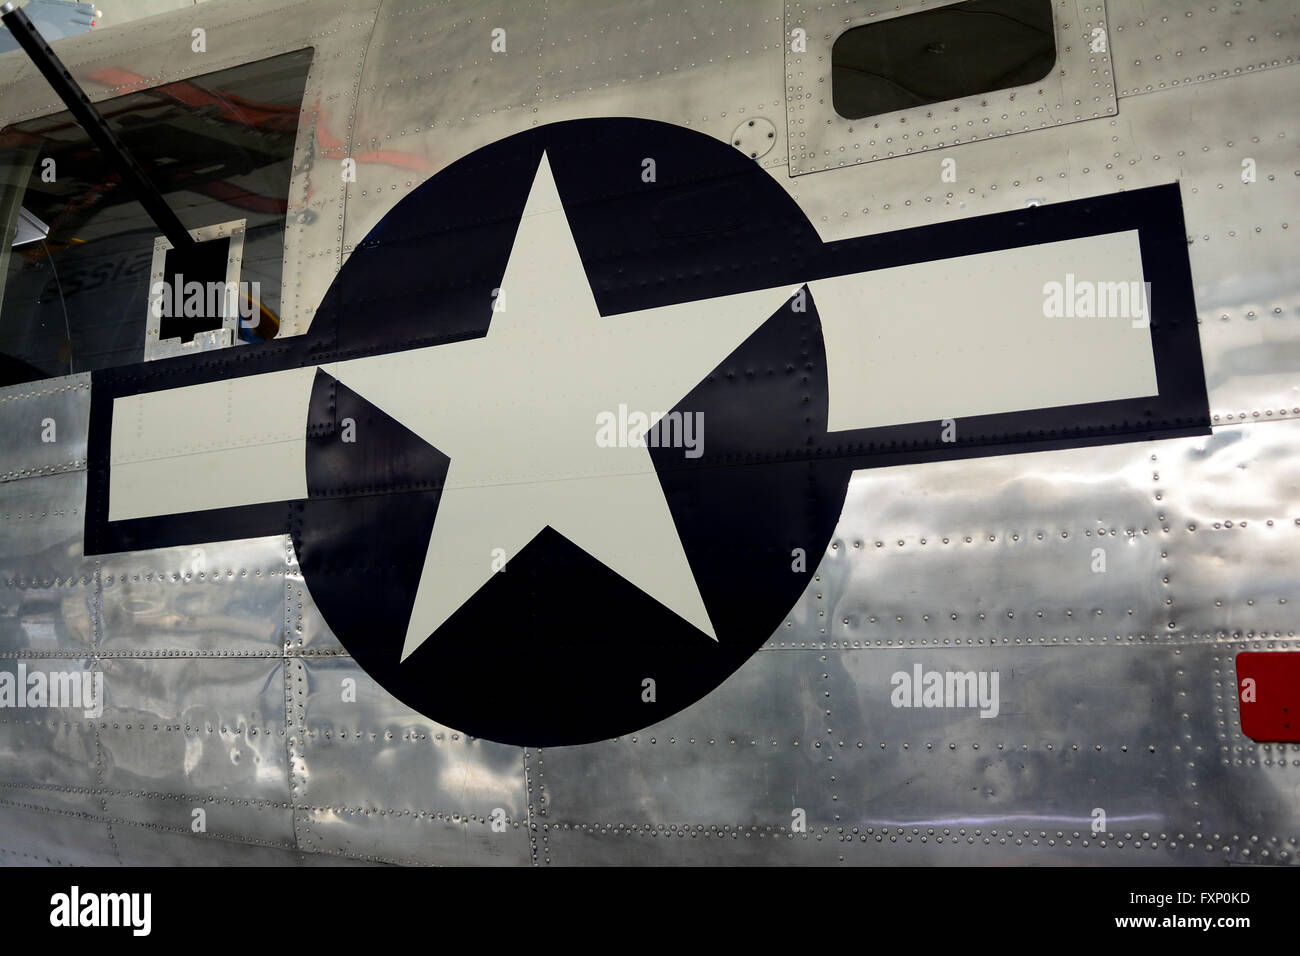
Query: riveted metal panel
(314, 221)
(221, 598)
(946, 786)
(433, 96)
(985, 551)
(365, 761)
(33, 837)
(480, 59)
(1250, 792)
(234, 819)
(1059, 735)
(37, 621)
(746, 755)
(1080, 87)
(409, 837)
(55, 748)
(54, 797)
(711, 67)
(1056, 748)
(688, 843)
(43, 427)
(1234, 530)
(1164, 44)
(1153, 143)
(47, 585)
(41, 523)
(641, 41)
(198, 728)
(840, 845)
(305, 631)
(140, 845)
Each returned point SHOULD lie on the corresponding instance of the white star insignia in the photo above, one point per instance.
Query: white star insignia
(516, 413)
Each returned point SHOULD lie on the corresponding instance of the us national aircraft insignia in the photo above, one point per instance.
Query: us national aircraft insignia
(571, 431)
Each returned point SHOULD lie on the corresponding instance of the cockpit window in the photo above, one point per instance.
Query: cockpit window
(76, 247)
(959, 50)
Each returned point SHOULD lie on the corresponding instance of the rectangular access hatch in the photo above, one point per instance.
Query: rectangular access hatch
(1268, 696)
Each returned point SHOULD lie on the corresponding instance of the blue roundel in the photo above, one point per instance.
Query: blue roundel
(559, 648)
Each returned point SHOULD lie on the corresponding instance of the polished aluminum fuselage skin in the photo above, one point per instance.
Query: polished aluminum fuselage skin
(1117, 689)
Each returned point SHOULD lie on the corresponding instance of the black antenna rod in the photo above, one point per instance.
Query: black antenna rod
(89, 119)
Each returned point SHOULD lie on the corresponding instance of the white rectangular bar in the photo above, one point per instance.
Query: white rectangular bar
(968, 336)
(948, 338)
(240, 441)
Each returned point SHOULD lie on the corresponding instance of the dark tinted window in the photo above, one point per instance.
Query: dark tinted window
(959, 50)
(218, 146)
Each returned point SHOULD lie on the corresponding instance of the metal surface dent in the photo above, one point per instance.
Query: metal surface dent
(365, 762)
(49, 591)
